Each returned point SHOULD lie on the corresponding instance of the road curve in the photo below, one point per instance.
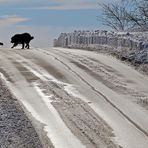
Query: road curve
(79, 98)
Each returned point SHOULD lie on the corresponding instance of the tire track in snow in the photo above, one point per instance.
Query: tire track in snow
(101, 94)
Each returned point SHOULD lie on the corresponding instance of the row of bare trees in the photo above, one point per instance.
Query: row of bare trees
(123, 15)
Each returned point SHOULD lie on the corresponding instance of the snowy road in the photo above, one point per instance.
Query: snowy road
(79, 98)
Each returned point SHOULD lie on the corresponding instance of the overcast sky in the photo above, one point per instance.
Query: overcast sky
(46, 19)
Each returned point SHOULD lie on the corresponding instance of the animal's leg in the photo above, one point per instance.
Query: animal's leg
(15, 44)
(27, 45)
(23, 44)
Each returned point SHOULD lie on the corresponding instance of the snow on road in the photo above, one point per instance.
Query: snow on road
(83, 99)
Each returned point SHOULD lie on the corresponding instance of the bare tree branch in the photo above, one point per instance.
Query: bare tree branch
(118, 16)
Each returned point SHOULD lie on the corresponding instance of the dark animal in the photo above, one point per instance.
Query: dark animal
(23, 39)
(1, 44)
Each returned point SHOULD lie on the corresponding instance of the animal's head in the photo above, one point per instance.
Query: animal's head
(12, 40)
(32, 37)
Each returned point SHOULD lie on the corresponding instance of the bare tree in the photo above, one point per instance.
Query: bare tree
(139, 17)
(115, 14)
